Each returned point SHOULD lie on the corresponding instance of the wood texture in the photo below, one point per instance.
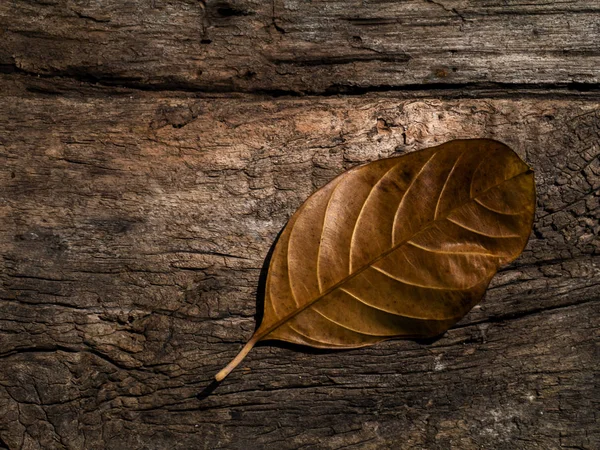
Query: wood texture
(134, 223)
(304, 46)
(133, 242)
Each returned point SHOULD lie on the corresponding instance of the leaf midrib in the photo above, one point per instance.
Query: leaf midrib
(286, 318)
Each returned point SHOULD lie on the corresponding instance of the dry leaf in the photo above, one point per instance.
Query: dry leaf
(401, 247)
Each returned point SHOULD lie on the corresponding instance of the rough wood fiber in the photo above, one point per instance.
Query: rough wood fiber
(304, 46)
(134, 223)
(134, 228)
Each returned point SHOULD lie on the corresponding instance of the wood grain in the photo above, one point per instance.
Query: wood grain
(305, 47)
(134, 227)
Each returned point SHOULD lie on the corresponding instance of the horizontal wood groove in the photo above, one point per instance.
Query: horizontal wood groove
(471, 90)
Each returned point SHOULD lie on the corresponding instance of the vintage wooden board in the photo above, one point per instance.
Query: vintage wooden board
(304, 46)
(134, 229)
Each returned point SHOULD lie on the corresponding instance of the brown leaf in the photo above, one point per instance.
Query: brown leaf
(401, 247)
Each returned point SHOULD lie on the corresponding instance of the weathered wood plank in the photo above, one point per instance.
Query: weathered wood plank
(133, 229)
(479, 387)
(304, 47)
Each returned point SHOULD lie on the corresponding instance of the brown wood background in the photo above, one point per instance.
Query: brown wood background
(151, 151)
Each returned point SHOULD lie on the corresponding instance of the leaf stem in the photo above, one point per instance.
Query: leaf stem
(238, 359)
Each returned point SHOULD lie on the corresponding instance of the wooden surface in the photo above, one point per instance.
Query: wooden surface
(150, 153)
(295, 47)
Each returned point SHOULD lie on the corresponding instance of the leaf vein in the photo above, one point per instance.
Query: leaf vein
(437, 205)
(493, 210)
(395, 313)
(473, 230)
(360, 213)
(492, 255)
(348, 328)
(412, 182)
(424, 286)
(321, 237)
